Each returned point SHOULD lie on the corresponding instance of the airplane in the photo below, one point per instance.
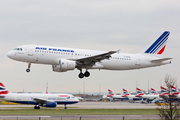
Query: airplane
(131, 97)
(66, 59)
(152, 95)
(44, 100)
(116, 96)
(109, 96)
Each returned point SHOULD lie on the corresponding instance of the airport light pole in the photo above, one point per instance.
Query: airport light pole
(148, 86)
(99, 89)
(83, 89)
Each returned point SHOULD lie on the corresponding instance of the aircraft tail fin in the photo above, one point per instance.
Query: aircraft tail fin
(110, 93)
(139, 92)
(174, 90)
(125, 93)
(158, 46)
(153, 91)
(3, 90)
(163, 90)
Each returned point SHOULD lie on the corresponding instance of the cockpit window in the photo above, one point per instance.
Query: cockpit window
(18, 49)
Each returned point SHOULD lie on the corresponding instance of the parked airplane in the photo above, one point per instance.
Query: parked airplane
(128, 95)
(44, 100)
(150, 96)
(65, 59)
(121, 97)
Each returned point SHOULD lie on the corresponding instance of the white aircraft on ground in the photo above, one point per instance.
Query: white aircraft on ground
(65, 59)
(131, 97)
(115, 96)
(44, 100)
(152, 95)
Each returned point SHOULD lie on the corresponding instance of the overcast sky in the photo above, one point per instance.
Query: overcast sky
(129, 25)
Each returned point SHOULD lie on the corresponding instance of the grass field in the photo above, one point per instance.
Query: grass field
(79, 112)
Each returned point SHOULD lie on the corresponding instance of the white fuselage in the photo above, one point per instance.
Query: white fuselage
(150, 96)
(52, 55)
(29, 98)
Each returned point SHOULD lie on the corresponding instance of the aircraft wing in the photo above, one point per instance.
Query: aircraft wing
(90, 61)
(41, 100)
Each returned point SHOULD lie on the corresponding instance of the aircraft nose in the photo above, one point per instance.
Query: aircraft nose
(10, 54)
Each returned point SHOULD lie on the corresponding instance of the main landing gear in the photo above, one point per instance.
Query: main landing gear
(65, 106)
(36, 107)
(28, 69)
(86, 74)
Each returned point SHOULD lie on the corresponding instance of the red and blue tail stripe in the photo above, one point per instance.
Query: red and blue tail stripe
(110, 91)
(174, 90)
(3, 90)
(163, 90)
(159, 45)
(125, 91)
(153, 91)
(138, 90)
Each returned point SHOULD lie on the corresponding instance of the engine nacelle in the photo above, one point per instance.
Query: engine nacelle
(64, 65)
(50, 104)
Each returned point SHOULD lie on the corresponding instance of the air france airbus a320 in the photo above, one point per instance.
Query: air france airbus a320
(65, 59)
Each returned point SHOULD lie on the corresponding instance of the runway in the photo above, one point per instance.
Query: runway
(89, 117)
(93, 105)
(85, 105)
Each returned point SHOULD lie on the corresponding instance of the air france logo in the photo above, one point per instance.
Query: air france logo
(54, 49)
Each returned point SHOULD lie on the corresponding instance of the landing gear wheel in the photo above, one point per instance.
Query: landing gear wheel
(81, 75)
(86, 74)
(65, 107)
(36, 107)
(28, 70)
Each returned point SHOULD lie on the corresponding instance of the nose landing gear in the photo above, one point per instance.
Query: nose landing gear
(28, 69)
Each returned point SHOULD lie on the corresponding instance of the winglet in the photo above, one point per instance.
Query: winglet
(118, 51)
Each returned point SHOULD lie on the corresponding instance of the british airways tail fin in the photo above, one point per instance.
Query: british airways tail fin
(163, 90)
(3, 90)
(158, 46)
(139, 92)
(110, 93)
(174, 90)
(153, 91)
(125, 93)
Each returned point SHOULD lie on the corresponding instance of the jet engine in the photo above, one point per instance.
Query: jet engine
(50, 104)
(64, 65)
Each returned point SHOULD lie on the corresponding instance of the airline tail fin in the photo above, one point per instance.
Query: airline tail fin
(174, 90)
(3, 90)
(139, 92)
(125, 93)
(158, 46)
(153, 91)
(163, 90)
(110, 93)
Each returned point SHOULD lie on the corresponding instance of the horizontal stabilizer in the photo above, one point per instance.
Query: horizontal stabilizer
(160, 60)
